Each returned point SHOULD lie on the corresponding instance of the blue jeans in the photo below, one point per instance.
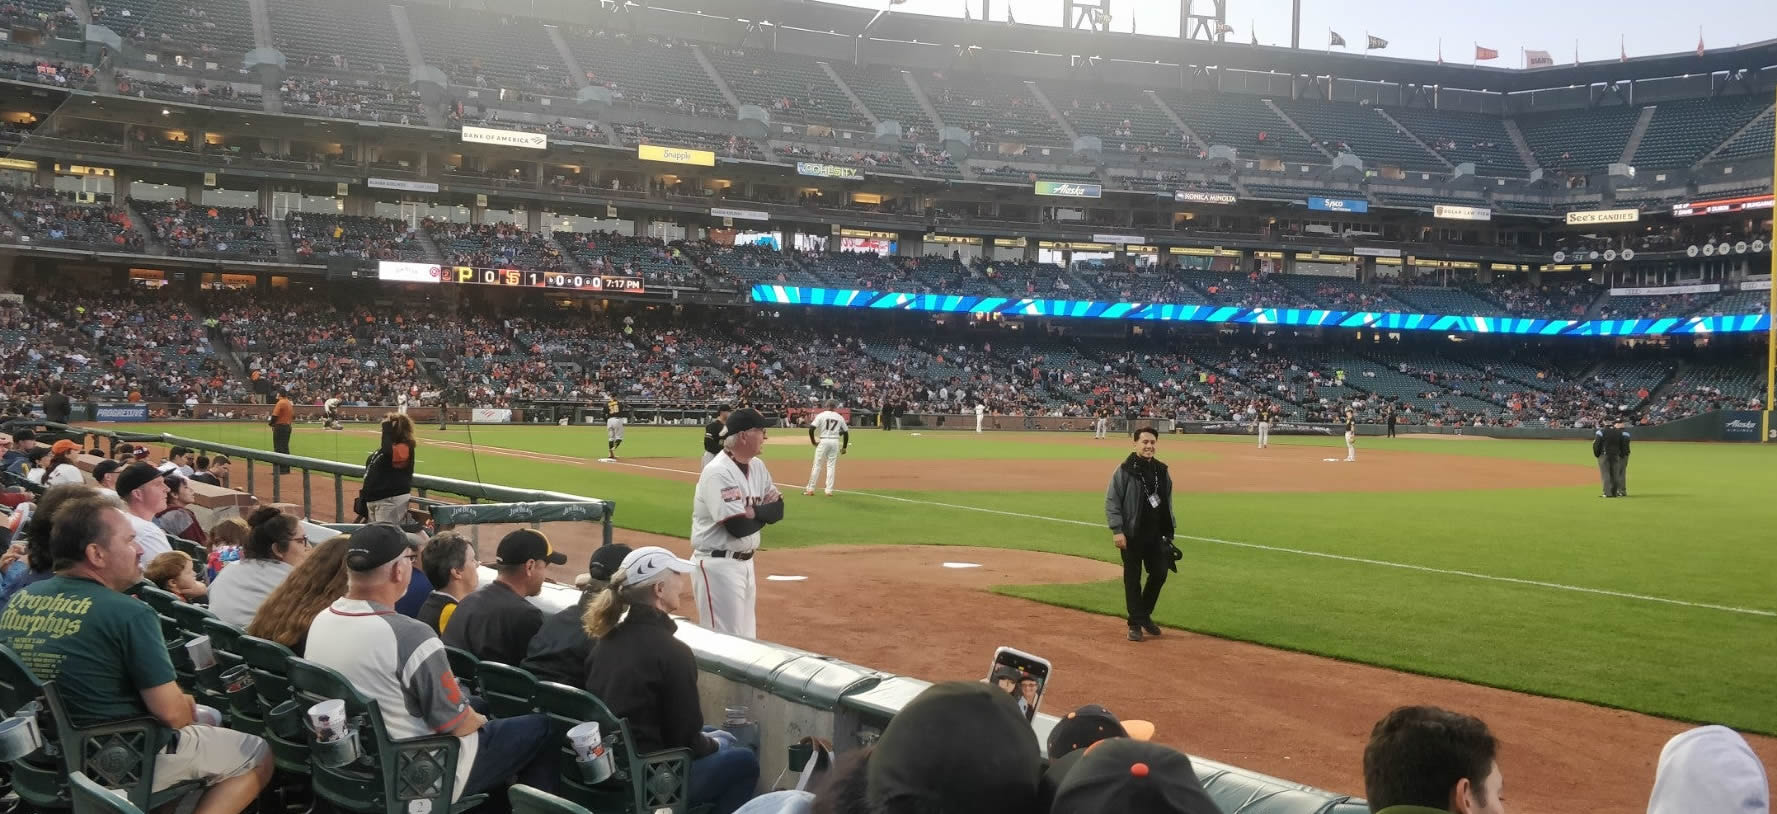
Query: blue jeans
(512, 746)
(724, 779)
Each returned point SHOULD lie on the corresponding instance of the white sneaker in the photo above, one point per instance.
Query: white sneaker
(829, 493)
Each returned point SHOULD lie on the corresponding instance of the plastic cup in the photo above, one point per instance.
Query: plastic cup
(209, 716)
(585, 740)
(203, 657)
(328, 720)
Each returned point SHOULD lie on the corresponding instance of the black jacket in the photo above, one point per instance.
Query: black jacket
(712, 438)
(1610, 441)
(494, 623)
(646, 675)
(383, 479)
(561, 647)
(1123, 500)
(56, 408)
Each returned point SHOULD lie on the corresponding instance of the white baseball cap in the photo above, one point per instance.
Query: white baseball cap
(650, 564)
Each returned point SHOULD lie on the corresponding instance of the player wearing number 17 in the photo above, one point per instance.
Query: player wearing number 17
(834, 438)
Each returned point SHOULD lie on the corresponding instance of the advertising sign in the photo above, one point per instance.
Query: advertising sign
(121, 412)
(1449, 212)
(675, 155)
(1069, 189)
(1338, 205)
(1740, 425)
(404, 186)
(505, 138)
(1590, 217)
(828, 171)
(1193, 196)
(740, 214)
(489, 415)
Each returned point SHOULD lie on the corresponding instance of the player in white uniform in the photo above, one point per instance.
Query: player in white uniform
(614, 422)
(1350, 435)
(980, 413)
(330, 414)
(834, 439)
(733, 502)
(401, 403)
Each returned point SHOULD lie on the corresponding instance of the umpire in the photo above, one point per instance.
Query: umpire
(1610, 445)
(1138, 509)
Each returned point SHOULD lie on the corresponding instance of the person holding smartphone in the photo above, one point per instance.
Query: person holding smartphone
(1138, 509)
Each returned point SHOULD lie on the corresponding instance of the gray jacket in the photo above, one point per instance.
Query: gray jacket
(1122, 501)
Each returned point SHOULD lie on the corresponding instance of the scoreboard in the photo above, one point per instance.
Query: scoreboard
(516, 278)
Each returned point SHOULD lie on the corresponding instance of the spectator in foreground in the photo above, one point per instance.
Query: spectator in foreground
(274, 548)
(400, 663)
(450, 563)
(226, 539)
(61, 470)
(647, 676)
(114, 665)
(388, 480)
(285, 615)
(106, 472)
(14, 461)
(35, 465)
(144, 495)
(561, 647)
(1124, 774)
(1709, 770)
(1425, 759)
(213, 471)
(496, 623)
(178, 519)
(172, 572)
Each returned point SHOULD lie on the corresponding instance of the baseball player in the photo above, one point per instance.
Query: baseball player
(980, 413)
(712, 436)
(330, 414)
(1350, 434)
(733, 502)
(1099, 425)
(614, 422)
(833, 441)
(1264, 415)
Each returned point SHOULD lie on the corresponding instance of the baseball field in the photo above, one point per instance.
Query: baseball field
(1493, 562)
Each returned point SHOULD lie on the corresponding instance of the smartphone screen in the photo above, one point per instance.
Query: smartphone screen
(1021, 675)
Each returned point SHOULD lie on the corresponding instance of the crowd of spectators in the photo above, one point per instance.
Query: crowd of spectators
(191, 230)
(491, 245)
(372, 100)
(50, 218)
(358, 237)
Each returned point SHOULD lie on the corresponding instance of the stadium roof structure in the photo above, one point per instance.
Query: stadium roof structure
(814, 15)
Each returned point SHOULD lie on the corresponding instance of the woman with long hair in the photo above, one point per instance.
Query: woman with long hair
(388, 479)
(177, 518)
(649, 677)
(285, 615)
(273, 549)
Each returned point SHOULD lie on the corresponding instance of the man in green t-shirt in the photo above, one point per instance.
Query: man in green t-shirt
(1425, 760)
(104, 651)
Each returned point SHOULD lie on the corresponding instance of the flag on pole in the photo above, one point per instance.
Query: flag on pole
(1622, 50)
(1374, 42)
(1224, 28)
(1538, 59)
(897, 2)
(1335, 40)
(1254, 31)
(1699, 40)
(967, 15)
(1010, 20)
(1485, 53)
(1440, 50)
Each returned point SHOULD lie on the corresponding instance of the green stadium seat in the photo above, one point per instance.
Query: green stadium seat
(391, 776)
(1240, 792)
(527, 800)
(92, 798)
(117, 754)
(509, 691)
(642, 784)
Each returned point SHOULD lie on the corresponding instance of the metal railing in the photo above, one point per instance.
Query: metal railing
(474, 492)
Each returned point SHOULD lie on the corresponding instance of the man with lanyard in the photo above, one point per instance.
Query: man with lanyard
(734, 500)
(1138, 509)
(712, 436)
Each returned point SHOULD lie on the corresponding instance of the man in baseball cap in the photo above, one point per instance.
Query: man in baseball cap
(558, 652)
(144, 495)
(398, 661)
(497, 621)
(1123, 774)
(958, 747)
(105, 472)
(1089, 725)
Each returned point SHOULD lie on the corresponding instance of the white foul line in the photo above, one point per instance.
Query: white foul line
(1275, 549)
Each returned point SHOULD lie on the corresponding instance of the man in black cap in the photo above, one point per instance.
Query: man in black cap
(144, 494)
(734, 500)
(1123, 774)
(105, 472)
(958, 748)
(1610, 445)
(496, 622)
(400, 663)
(712, 436)
(558, 652)
(1090, 724)
(23, 441)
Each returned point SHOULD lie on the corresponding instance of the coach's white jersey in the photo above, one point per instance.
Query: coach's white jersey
(829, 426)
(724, 492)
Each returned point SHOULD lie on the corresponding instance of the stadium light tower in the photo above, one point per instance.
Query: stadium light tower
(1203, 19)
(1090, 14)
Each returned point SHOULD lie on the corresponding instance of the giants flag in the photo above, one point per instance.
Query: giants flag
(1485, 53)
(1538, 59)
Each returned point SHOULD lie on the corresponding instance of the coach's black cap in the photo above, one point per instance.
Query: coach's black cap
(375, 545)
(743, 419)
(525, 545)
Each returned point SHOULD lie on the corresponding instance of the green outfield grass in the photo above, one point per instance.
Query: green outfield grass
(1698, 530)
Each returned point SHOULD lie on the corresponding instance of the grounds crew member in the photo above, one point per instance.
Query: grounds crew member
(283, 415)
(733, 502)
(1138, 509)
(712, 436)
(1610, 445)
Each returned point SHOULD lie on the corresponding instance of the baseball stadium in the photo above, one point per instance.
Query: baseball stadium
(797, 406)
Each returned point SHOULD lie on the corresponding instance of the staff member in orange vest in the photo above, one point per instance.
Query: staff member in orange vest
(283, 415)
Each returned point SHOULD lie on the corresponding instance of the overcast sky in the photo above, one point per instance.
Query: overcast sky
(1413, 27)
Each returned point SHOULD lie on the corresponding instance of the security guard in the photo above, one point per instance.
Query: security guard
(1610, 445)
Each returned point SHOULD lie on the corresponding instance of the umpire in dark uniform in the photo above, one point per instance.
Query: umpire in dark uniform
(1610, 445)
(1138, 509)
